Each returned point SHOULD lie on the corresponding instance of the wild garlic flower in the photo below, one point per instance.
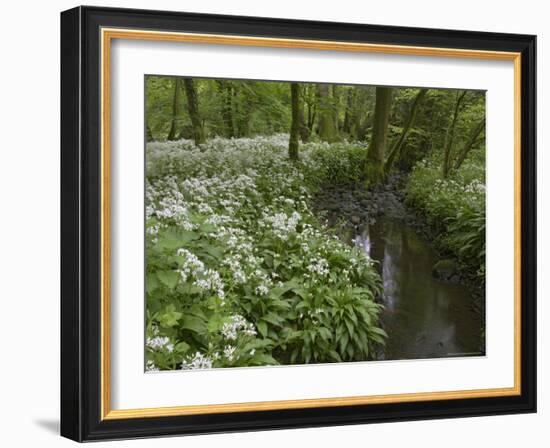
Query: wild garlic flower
(191, 265)
(160, 343)
(197, 361)
(237, 325)
(262, 290)
(229, 352)
(210, 280)
(150, 366)
(319, 266)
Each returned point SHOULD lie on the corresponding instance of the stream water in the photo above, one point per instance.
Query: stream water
(424, 317)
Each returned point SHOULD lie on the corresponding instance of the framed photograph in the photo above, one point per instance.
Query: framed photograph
(276, 224)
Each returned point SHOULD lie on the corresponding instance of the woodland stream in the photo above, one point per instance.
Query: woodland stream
(424, 317)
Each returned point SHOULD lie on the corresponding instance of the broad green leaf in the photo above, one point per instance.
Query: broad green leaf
(182, 347)
(170, 316)
(273, 319)
(262, 328)
(168, 278)
(194, 323)
(175, 240)
(151, 283)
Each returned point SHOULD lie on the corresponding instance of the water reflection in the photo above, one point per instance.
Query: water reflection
(424, 318)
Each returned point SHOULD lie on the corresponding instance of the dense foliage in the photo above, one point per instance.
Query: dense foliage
(239, 271)
(448, 186)
(454, 207)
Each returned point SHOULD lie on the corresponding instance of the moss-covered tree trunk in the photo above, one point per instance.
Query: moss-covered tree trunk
(395, 152)
(473, 139)
(348, 115)
(327, 128)
(449, 136)
(175, 110)
(335, 104)
(242, 109)
(296, 122)
(377, 146)
(226, 94)
(311, 116)
(193, 109)
(304, 130)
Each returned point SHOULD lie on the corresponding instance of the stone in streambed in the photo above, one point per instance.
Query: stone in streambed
(331, 206)
(355, 219)
(444, 269)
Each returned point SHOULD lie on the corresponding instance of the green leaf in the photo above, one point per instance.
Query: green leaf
(214, 252)
(334, 355)
(176, 240)
(379, 331)
(262, 328)
(207, 228)
(281, 304)
(263, 359)
(168, 278)
(349, 326)
(194, 323)
(170, 316)
(273, 319)
(182, 347)
(257, 343)
(350, 351)
(325, 333)
(344, 342)
(215, 324)
(151, 283)
(353, 317)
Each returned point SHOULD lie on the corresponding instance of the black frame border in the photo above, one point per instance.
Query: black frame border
(81, 223)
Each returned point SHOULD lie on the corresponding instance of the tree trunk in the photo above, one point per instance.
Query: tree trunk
(335, 103)
(304, 130)
(449, 137)
(193, 108)
(295, 125)
(311, 115)
(241, 109)
(225, 91)
(472, 140)
(348, 115)
(395, 152)
(377, 145)
(327, 130)
(175, 110)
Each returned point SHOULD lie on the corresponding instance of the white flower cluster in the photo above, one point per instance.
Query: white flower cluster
(238, 323)
(235, 193)
(262, 290)
(211, 281)
(197, 361)
(150, 366)
(165, 203)
(160, 343)
(475, 187)
(319, 266)
(281, 224)
(465, 189)
(205, 278)
(229, 352)
(191, 265)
